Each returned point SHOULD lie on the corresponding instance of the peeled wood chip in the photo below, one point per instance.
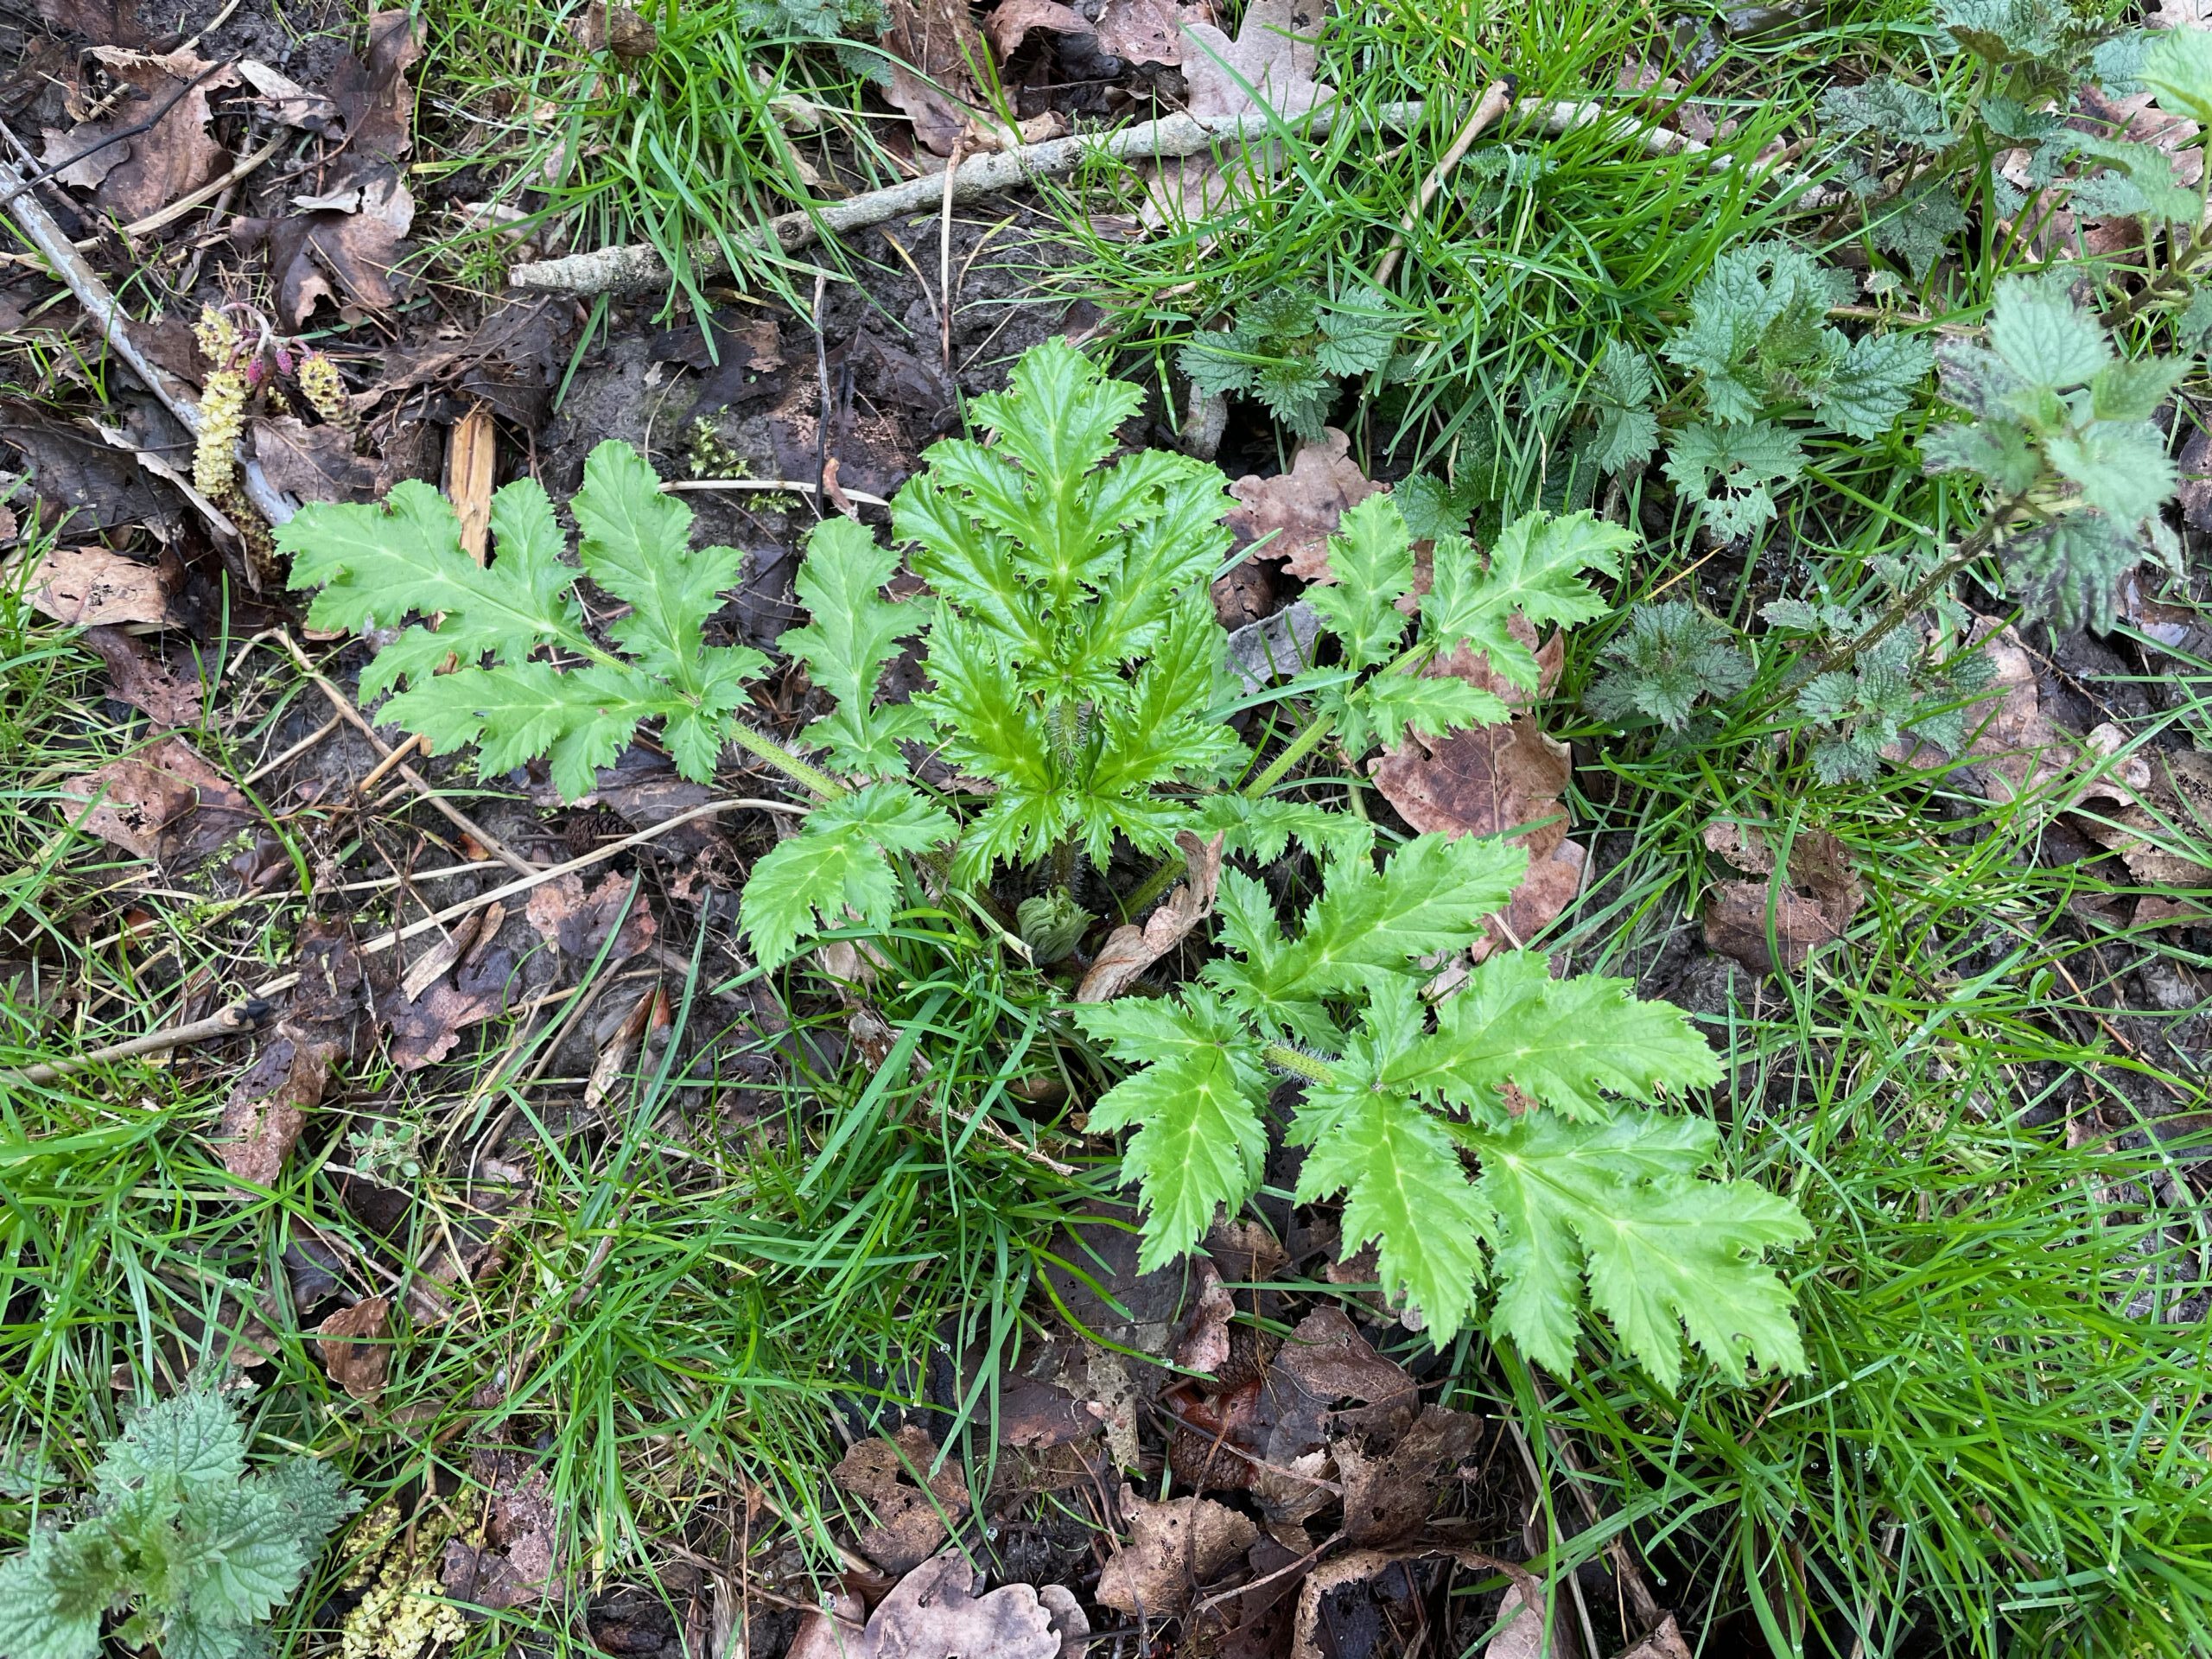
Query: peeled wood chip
(354, 1350)
(934, 1613)
(1302, 506)
(471, 457)
(1173, 1549)
(86, 586)
(268, 1106)
(1130, 950)
(909, 1519)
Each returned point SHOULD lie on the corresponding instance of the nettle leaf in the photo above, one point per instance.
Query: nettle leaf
(854, 632)
(839, 861)
(1620, 390)
(2047, 340)
(1199, 1142)
(250, 1554)
(1873, 383)
(1742, 460)
(1371, 561)
(2177, 68)
(51, 1606)
(1669, 659)
(1661, 1248)
(1535, 570)
(189, 1444)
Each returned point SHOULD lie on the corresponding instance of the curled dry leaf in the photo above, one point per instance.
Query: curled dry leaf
(2162, 822)
(1203, 1344)
(1269, 66)
(936, 52)
(1173, 1548)
(133, 677)
(1361, 1565)
(315, 463)
(176, 156)
(1012, 21)
(86, 586)
(164, 804)
(518, 1561)
(1391, 1492)
(578, 920)
(909, 1518)
(1148, 31)
(606, 27)
(1812, 902)
(354, 1349)
(1130, 950)
(1299, 509)
(268, 1106)
(934, 1613)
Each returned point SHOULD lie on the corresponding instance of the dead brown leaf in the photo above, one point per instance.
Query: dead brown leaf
(519, 1561)
(935, 53)
(566, 914)
(1664, 1642)
(934, 1613)
(1012, 21)
(1360, 1565)
(426, 1022)
(1487, 782)
(140, 175)
(287, 102)
(1130, 950)
(607, 27)
(1273, 56)
(1390, 1495)
(354, 1349)
(2136, 118)
(909, 1518)
(2015, 748)
(1147, 31)
(2163, 819)
(268, 1106)
(1323, 1361)
(1812, 904)
(104, 22)
(1203, 1345)
(1173, 1548)
(2196, 479)
(133, 677)
(164, 804)
(316, 463)
(88, 586)
(1302, 506)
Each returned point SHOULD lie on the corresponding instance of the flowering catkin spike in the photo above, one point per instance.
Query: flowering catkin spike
(222, 418)
(325, 391)
(216, 335)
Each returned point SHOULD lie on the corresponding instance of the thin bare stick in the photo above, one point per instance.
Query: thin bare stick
(684, 485)
(225, 1022)
(1495, 99)
(206, 193)
(453, 814)
(69, 268)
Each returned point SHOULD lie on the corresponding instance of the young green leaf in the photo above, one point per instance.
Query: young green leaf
(838, 862)
(853, 631)
(1535, 570)
(1371, 566)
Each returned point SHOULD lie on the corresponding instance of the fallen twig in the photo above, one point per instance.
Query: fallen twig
(637, 267)
(1494, 103)
(390, 757)
(225, 1022)
(69, 268)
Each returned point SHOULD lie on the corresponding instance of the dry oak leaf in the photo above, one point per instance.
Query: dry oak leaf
(1130, 950)
(884, 1474)
(164, 804)
(1301, 508)
(1813, 902)
(177, 154)
(1269, 66)
(1173, 1548)
(268, 1106)
(354, 1350)
(934, 1613)
(87, 586)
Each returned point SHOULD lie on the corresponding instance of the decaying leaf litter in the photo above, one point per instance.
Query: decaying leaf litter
(457, 997)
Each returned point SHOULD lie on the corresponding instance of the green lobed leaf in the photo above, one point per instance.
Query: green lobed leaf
(839, 861)
(189, 1444)
(1535, 570)
(1566, 1042)
(54, 1595)
(2121, 468)
(1371, 561)
(1199, 1143)
(1434, 705)
(852, 632)
(1873, 383)
(1663, 1248)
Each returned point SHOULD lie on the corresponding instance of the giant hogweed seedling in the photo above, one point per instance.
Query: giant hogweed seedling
(1582, 1181)
(201, 1549)
(1077, 672)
